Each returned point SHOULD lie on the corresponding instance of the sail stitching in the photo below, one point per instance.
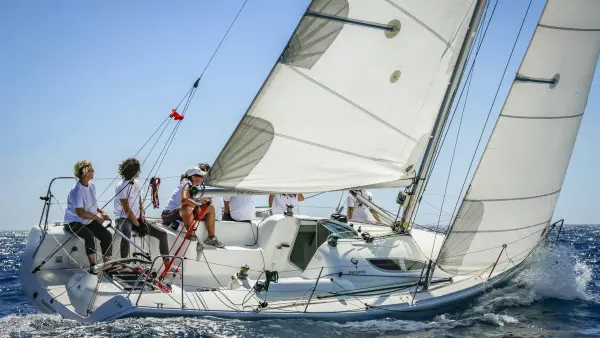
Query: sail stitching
(512, 199)
(499, 230)
(436, 34)
(488, 249)
(570, 28)
(321, 145)
(375, 117)
(541, 117)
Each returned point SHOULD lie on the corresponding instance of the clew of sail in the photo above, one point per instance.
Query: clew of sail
(352, 100)
(514, 191)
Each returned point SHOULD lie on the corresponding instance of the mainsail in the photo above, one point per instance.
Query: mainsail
(352, 100)
(511, 200)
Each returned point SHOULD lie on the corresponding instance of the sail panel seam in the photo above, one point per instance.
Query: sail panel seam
(570, 28)
(541, 117)
(499, 230)
(292, 138)
(512, 199)
(368, 113)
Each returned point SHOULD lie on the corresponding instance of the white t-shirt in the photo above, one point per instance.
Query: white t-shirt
(281, 201)
(361, 212)
(241, 207)
(130, 192)
(175, 201)
(217, 202)
(81, 197)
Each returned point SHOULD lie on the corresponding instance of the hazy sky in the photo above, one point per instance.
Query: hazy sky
(93, 80)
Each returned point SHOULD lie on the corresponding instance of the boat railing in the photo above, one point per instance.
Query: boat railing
(48, 201)
(560, 224)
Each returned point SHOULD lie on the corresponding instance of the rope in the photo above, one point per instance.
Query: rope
(490, 110)
(311, 196)
(474, 59)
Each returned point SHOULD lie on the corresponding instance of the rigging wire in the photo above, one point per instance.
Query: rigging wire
(490, 111)
(189, 96)
(473, 57)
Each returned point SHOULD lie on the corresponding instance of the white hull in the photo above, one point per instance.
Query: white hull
(63, 287)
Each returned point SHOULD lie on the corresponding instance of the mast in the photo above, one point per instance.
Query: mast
(416, 190)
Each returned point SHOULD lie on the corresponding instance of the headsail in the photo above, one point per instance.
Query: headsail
(352, 100)
(515, 188)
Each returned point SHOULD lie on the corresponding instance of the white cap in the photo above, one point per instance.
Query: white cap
(195, 171)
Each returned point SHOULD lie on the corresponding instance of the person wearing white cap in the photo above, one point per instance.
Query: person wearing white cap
(183, 207)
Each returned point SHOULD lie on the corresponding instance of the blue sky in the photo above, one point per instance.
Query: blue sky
(94, 79)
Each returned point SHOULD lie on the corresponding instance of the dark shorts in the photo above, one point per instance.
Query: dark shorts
(169, 217)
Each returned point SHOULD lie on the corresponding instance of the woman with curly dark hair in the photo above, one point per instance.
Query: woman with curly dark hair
(129, 210)
(83, 217)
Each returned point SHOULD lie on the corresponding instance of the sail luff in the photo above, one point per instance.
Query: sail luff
(422, 176)
(533, 137)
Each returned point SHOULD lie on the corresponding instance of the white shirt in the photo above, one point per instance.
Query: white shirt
(241, 207)
(130, 192)
(175, 201)
(360, 212)
(217, 202)
(281, 201)
(84, 197)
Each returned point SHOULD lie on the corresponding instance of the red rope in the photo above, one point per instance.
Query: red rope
(192, 229)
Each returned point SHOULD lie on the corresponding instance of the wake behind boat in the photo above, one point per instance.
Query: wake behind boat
(291, 266)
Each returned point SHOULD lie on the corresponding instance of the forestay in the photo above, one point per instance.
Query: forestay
(348, 104)
(515, 188)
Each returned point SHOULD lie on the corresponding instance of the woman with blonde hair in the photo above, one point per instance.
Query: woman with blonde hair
(83, 217)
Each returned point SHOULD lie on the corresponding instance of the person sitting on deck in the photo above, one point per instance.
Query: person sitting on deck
(129, 210)
(183, 207)
(83, 217)
(358, 211)
(239, 209)
(279, 202)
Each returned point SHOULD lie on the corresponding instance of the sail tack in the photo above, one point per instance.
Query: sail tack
(514, 191)
(352, 100)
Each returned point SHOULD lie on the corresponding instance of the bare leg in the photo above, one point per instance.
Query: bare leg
(187, 214)
(209, 221)
(92, 259)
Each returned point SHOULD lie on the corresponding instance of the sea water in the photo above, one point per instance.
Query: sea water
(557, 295)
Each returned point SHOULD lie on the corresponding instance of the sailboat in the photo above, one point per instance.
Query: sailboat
(392, 68)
